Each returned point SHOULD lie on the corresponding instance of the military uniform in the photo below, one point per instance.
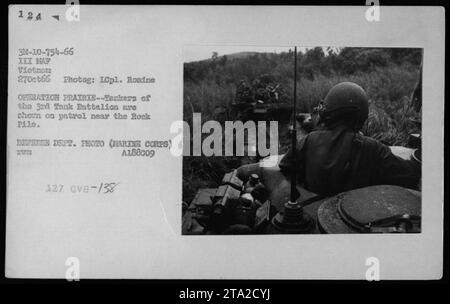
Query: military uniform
(244, 93)
(331, 161)
(338, 158)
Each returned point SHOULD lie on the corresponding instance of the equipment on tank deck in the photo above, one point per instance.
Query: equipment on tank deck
(253, 181)
(374, 209)
(291, 220)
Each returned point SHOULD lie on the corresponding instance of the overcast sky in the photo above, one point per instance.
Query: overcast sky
(195, 53)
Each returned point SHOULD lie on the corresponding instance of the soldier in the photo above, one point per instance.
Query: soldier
(261, 94)
(243, 93)
(244, 99)
(274, 93)
(336, 157)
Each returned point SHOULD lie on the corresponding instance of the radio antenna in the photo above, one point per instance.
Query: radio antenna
(294, 193)
(292, 219)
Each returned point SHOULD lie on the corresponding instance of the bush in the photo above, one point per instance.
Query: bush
(387, 75)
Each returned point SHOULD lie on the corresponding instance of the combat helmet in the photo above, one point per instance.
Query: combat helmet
(345, 102)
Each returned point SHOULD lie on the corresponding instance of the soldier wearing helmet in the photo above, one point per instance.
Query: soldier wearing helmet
(336, 157)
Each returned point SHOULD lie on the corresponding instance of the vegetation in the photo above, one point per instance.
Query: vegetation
(388, 75)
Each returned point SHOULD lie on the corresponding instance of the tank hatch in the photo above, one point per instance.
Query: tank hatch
(376, 209)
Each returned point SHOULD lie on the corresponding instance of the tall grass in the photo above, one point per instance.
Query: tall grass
(389, 89)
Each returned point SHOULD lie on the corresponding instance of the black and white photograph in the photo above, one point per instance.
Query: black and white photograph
(225, 142)
(348, 137)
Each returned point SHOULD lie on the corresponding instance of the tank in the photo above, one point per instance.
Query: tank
(229, 209)
(256, 198)
(262, 100)
(258, 111)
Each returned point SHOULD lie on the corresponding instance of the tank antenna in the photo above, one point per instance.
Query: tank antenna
(294, 194)
(292, 219)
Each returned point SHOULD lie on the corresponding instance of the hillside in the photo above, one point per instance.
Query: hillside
(388, 75)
